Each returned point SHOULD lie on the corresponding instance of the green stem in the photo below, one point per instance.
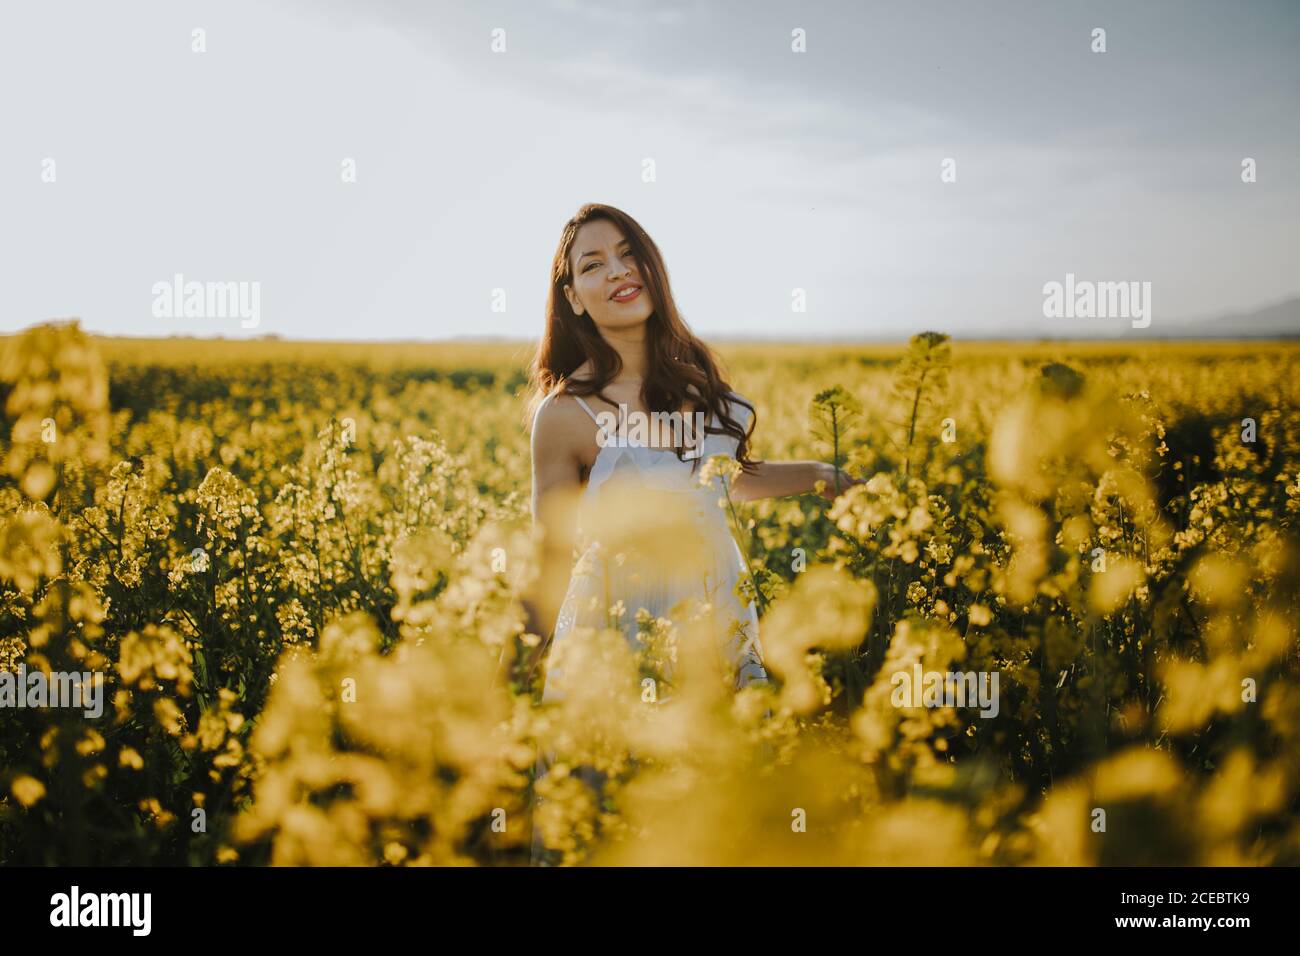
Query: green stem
(749, 549)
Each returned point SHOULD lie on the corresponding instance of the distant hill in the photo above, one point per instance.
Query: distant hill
(1275, 321)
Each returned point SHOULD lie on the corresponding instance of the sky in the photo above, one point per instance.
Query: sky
(129, 158)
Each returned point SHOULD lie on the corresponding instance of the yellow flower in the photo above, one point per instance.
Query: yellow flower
(720, 466)
(27, 790)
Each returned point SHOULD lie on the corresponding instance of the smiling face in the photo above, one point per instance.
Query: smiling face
(607, 282)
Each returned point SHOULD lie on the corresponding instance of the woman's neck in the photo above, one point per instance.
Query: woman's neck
(630, 346)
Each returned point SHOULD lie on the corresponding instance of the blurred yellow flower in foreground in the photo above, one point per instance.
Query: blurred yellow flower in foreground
(27, 790)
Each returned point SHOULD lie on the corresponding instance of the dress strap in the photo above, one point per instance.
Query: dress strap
(586, 408)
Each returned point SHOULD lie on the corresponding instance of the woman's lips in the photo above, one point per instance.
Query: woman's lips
(627, 295)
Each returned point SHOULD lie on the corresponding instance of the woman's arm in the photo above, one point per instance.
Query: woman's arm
(775, 479)
(556, 467)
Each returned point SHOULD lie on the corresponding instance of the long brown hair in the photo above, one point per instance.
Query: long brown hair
(678, 365)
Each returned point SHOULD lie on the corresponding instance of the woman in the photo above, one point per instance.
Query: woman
(615, 354)
(616, 350)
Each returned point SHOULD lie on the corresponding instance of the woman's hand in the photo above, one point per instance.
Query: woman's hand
(828, 475)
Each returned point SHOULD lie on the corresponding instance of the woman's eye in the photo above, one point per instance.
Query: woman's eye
(596, 262)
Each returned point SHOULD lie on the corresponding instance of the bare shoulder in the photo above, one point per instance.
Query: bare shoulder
(560, 427)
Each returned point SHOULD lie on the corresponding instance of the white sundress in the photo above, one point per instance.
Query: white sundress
(599, 583)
